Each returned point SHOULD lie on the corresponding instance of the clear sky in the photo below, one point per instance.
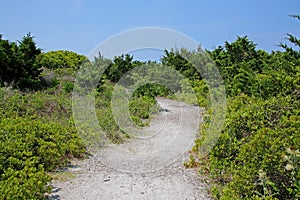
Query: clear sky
(79, 25)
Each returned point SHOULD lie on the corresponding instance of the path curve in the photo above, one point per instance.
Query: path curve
(147, 167)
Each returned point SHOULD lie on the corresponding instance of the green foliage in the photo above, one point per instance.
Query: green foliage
(253, 142)
(68, 86)
(41, 104)
(119, 66)
(246, 70)
(27, 183)
(17, 63)
(201, 90)
(256, 156)
(199, 71)
(105, 116)
(247, 160)
(60, 59)
(178, 62)
(29, 148)
(152, 90)
(152, 79)
(36, 136)
(142, 108)
(292, 158)
(239, 63)
(7, 54)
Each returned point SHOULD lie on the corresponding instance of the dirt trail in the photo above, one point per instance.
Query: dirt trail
(147, 167)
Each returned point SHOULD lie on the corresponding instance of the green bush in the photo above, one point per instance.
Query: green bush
(29, 149)
(68, 86)
(42, 104)
(104, 112)
(141, 108)
(60, 59)
(36, 136)
(152, 90)
(257, 153)
(248, 158)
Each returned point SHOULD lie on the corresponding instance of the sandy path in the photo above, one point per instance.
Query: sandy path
(147, 167)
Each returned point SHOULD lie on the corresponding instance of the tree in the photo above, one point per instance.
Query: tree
(121, 64)
(17, 63)
(178, 62)
(27, 74)
(239, 63)
(6, 61)
(291, 52)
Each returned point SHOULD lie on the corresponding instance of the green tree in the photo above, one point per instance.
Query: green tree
(27, 74)
(294, 40)
(18, 67)
(239, 63)
(178, 62)
(121, 64)
(6, 61)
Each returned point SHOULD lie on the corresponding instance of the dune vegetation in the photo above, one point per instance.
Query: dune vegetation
(257, 155)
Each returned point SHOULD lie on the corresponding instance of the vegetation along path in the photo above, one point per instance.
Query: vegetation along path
(146, 167)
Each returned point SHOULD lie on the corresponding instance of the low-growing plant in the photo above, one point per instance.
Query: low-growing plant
(142, 107)
(248, 158)
(29, 149)
(68, 86)
(292, 157)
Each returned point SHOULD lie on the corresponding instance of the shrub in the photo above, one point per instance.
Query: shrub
(46, 106)
(30, 148)
(68, 86)
(60, 59)
(248, 158)
(141, 108)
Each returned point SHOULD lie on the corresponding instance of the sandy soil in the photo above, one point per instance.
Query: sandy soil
(149, 166)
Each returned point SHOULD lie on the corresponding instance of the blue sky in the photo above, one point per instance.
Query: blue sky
(80, 25)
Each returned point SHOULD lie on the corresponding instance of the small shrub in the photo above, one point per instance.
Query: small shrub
(30, 148)
(68, 86)
(142, 107)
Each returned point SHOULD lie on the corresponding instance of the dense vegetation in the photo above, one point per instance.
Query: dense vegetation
(36, 137)
(37, 131)
(256, 157)
(258, 153)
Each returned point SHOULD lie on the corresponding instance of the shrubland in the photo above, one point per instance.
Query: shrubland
(257, 155)
(37, 129)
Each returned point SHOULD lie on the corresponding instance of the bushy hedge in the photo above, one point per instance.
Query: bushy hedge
(257, 155)
(29, 149)
(36, 136)
(249, 158)
(60, 59)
